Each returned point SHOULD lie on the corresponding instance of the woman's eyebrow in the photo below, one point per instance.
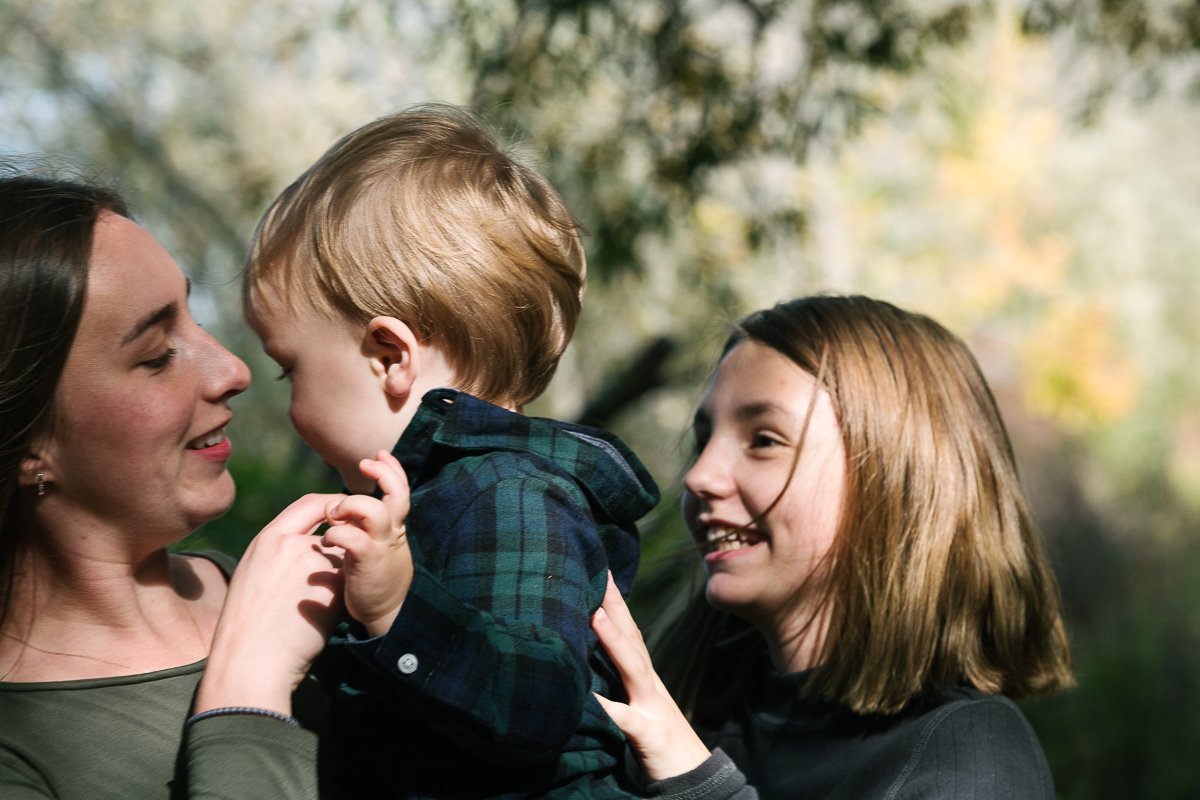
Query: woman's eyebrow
(165, 314)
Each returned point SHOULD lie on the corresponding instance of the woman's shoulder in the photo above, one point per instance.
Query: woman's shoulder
(223, 561)
(125, 729)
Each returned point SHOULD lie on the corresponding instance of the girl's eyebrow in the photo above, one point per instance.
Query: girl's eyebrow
(747, 412)
(750, 411)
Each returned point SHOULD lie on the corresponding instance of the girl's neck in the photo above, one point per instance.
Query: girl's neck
(794, 643)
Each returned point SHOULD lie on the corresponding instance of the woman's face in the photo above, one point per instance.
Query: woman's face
(138, 439)
(764, 561)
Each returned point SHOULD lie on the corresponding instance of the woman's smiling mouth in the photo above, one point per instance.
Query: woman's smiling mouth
(210, 439)
(213, 446)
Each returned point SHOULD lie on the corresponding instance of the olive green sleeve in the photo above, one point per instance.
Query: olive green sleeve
(242, 757)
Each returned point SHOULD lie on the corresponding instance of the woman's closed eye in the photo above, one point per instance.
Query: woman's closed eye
(162, 361)
(285, 374)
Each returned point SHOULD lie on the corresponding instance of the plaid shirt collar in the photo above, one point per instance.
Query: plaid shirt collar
(604, 465)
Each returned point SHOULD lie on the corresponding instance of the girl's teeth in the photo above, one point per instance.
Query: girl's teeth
(721, 539)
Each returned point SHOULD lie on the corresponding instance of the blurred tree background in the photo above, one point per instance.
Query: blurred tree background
(1028, 172)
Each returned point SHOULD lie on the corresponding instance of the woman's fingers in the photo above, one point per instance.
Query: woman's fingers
(300, 518)
(283, 601)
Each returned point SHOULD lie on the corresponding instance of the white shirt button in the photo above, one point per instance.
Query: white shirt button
(407, 663)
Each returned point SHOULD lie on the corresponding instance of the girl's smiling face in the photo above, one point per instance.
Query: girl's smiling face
(764, 496)
(138, 436)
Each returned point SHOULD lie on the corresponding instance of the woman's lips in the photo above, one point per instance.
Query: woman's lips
(212, 446)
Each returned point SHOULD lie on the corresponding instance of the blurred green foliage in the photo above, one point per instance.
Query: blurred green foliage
(1023, 171)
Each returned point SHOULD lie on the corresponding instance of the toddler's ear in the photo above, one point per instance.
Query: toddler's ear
(394, 351)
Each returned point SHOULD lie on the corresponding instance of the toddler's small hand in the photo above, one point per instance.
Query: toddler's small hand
(378, 566)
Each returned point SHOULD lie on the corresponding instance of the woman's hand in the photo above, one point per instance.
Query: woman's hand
(378, 564)
(661, 736)
(283, 602)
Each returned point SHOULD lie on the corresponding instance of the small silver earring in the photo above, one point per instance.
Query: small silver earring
(41, 484)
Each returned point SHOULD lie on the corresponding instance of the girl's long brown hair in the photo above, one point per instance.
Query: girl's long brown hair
(937, 575)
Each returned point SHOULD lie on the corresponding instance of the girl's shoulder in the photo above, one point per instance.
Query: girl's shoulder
(979, 745)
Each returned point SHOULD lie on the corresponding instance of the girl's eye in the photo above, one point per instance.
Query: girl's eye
(762, 440)
(284, 375)
(162, 361)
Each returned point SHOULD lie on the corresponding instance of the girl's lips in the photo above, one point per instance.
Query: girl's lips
(716, 556)
(719, 539)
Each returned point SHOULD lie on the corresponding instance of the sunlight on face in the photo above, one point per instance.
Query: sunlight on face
(764, 513)
(139, 440)
(338, 403)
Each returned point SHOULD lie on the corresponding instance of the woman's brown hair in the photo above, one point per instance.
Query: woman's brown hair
(46, 227)
(937, 575)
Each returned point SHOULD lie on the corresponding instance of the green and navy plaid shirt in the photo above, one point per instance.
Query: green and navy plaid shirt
(483, 686)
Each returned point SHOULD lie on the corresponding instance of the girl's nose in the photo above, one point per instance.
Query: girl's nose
(709, 476)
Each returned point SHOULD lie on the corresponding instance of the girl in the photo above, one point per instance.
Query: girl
(875, 591)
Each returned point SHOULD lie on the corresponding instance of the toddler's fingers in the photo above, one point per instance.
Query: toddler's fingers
(383, 461)
(349, 539)
(388, 458)
(387, 472)
(362, 512)
(335, 554)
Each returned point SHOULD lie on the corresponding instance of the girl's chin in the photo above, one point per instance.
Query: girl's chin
(723, 596)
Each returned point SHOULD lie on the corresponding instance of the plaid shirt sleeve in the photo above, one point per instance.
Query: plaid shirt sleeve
(496, 644)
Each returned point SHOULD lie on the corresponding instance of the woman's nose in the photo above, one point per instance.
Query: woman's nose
(227, 374)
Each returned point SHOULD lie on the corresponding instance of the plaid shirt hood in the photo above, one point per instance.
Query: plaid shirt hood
(451, 424)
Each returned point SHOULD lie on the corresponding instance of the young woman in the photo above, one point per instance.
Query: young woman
(113, 410)
(875, 591)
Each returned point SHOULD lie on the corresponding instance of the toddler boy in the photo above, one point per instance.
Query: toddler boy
(417, 286)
